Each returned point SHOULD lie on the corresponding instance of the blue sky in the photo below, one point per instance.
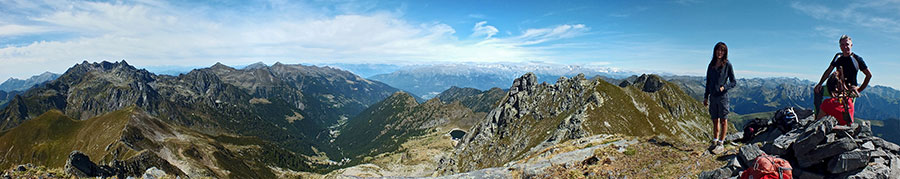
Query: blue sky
(766, 38)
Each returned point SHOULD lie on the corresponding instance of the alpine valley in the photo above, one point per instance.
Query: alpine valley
(111, 119)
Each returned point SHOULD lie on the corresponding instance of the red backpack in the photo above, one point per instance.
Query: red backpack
(768, 167)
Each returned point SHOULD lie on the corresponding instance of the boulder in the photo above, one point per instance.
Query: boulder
(747, 153)
(715, 174)
(886, 145)
(734, 164)
(895, 168)
(769, 134)
(864, 130)
(813, 135)
(849, 161)
(153, 173)
(824, 151)
(868, 145)
(800, 173)
(734, 136)
(781, 144)
(80, 165)
(877, 171)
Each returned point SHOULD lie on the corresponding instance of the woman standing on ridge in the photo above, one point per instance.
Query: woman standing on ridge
(719, 79)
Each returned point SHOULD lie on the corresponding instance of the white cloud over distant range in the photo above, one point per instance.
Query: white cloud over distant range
(877, 14)
(53, 35)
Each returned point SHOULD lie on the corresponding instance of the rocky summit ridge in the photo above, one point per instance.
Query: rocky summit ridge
(533, 116)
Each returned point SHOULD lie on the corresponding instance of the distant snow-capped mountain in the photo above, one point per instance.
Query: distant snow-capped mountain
(15, 84)
(426, 81)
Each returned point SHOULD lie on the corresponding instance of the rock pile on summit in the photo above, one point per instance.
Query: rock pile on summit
(818, 149)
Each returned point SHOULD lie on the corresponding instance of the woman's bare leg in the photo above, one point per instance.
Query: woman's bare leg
(723, 129)
(716, 128)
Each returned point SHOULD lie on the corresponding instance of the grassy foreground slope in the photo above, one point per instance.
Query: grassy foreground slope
(120, 135)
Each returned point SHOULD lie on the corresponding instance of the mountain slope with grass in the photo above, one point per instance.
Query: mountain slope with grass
(392, 122)
(140, 140)
(534, 116)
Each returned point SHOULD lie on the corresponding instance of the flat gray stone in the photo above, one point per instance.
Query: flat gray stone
(848, 161)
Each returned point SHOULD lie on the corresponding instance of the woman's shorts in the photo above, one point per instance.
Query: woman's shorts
(718, 106)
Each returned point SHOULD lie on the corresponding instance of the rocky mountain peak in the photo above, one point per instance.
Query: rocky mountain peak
(524, 83)
(221, 67)
(649, 83)
(257, 65)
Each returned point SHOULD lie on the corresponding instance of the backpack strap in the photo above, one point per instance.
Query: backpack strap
(852, 59)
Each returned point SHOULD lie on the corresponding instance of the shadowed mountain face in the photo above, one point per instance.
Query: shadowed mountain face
(85, 90)
(770, 94)
(533, 116)
(5, 97)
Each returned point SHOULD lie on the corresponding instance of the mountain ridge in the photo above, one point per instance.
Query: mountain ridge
(533, 116)
(15, 84)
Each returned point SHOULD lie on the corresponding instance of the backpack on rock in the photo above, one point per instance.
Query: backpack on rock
(768, 167)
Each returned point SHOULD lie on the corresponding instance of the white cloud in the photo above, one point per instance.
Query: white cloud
(880, 15)
(537, 36)
(16, 29)
(159, 33)
(481, 29)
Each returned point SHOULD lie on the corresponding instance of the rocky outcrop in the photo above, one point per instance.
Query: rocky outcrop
(533, 116)
(650, 83)
(80, 165)
(817, 148)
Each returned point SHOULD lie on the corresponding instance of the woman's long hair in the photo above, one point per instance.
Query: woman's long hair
(722, 46)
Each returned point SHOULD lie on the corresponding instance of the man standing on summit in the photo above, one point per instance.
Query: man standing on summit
(851, 64)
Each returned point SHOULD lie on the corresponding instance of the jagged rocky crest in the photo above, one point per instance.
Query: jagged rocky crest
(533, 116)
(84, 91)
